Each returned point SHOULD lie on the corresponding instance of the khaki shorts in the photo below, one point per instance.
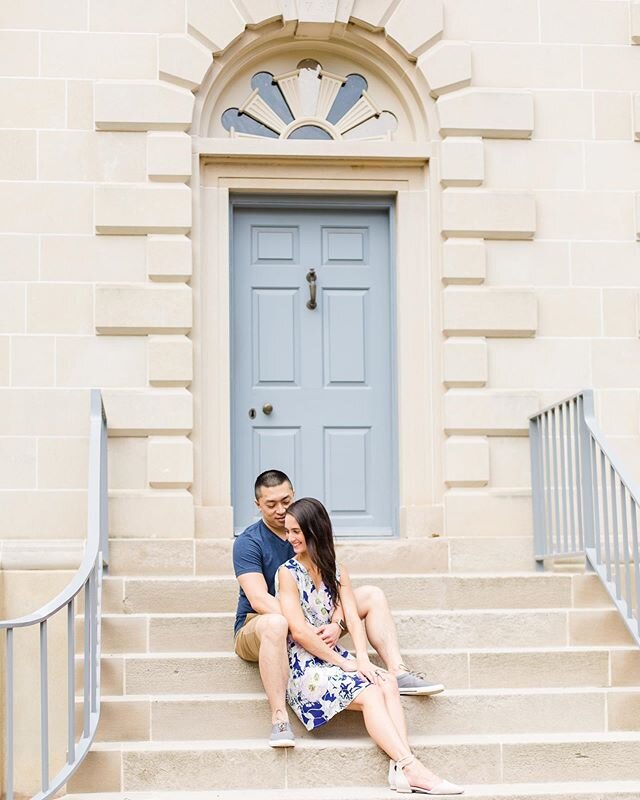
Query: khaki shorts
(247, 641)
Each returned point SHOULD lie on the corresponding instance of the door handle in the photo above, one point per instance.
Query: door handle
(267, 408)
(311, 280)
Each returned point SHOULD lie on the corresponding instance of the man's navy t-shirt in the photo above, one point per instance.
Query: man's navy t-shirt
(257, 549)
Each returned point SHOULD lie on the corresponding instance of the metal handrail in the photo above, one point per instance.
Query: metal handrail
(585, 502)
(87, 578)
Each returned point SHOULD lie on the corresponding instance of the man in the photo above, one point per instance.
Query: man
(261, 629)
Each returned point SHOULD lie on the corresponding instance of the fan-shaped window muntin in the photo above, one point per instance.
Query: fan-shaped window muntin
(309, 103)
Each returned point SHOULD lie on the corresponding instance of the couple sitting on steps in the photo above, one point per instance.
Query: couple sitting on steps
(295, 602)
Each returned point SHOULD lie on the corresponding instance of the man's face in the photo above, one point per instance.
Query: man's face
(273, 502)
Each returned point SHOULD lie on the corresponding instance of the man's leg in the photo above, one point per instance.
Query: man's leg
(381, 629)
(381, 633)
(263, 638)
(271, 630)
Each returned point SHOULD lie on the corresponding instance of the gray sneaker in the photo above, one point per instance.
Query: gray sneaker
(282, 735)
(410, 683)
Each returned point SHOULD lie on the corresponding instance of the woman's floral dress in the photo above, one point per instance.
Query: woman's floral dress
(317, 690)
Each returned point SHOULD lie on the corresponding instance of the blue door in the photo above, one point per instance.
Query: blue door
(312, 355)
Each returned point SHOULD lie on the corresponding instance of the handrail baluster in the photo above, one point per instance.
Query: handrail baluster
(615, 530)
(547, 472)
(636, 556)
(625, 544)
(86, 670)
(71, 682)
(44, 707)
(596, 499)
(10, 721)
(571, 485)
(563, 477)
(605, 513)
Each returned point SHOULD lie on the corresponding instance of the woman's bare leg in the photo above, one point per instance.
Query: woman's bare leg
(379, 707)
(379, 723)
(389, 687)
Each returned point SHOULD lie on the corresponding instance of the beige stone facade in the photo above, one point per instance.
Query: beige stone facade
(515, 172)
(517, 123)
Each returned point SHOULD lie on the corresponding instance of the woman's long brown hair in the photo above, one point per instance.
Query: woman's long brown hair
(314, 522)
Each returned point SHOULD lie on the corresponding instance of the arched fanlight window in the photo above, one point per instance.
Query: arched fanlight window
(309, 103)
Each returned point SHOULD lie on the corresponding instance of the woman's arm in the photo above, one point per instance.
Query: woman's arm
(303, 633)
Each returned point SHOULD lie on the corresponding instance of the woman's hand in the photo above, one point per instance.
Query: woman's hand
(368, 670)
(349, 665)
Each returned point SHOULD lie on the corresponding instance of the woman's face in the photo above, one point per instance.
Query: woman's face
(295, 537)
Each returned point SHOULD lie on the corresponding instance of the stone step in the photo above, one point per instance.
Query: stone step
(485, 628)
(425, 555)
(184, 717)
(593, 790)
(546, 667)
(252, 764)
(403, 591)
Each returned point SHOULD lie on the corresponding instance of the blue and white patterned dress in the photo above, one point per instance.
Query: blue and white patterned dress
(317, 690)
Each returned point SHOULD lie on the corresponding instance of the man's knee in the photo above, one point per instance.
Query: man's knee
(369, 598)
(273, 627)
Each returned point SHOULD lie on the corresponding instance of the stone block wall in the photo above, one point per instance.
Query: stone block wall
(65, 183)
(555, 310)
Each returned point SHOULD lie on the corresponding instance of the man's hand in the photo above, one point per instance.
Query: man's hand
(329, 633)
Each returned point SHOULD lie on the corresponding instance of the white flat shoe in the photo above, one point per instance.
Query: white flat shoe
(442, 788)
(404, 787)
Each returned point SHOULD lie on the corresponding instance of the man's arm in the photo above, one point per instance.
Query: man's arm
(255, 587)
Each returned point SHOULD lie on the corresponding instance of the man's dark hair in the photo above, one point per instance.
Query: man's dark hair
(271, 477)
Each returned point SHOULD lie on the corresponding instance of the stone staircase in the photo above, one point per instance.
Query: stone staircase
(542, 700)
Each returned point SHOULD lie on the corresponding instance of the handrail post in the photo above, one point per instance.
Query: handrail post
(586, 409)
(104, 489)
(537, 492)
(98, 497)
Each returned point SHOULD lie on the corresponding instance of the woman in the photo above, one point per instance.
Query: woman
(325, 680)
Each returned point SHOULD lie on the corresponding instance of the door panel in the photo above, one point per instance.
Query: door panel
(342, 245)
(279, 244)
(276, 446)
(346, 469)
(326, 372)
(344, 336)
(275, 320)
